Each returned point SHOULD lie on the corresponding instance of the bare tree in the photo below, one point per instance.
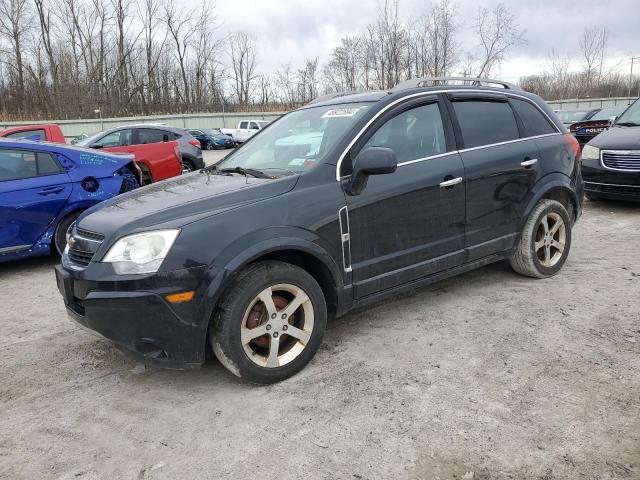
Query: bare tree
(497, 32)
(243, 64)
(593, 45)
(15, 22)
(180, 31)
(433, 47)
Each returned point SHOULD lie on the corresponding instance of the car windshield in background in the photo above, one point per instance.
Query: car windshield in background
(572, 116)
(631, 116)
(299, 140)
(606, 113)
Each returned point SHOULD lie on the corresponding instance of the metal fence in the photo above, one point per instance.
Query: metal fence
(576, 103)
(72, 128)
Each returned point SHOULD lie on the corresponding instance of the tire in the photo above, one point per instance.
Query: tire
(553, 242)
(241, 308)
(60, 237)
(210, 146)
(187, 167)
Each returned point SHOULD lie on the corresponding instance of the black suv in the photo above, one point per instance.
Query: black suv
(611, 161)
(343, 202)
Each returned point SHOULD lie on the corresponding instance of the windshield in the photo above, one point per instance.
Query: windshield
(605, 113)
(572, 116)
(90, 140)
(298, 141)
(631, 116)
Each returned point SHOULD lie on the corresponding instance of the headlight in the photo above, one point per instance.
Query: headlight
(141, 252)
(590, 153)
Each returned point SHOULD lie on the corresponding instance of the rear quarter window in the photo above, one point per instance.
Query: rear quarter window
(28, 133)
(484, 122)
(535, 123)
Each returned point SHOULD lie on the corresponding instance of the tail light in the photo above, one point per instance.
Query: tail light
(195, 142)
(573, 144)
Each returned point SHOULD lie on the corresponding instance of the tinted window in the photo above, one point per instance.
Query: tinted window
(19, 164)
(485, 122)
(414, 134)
(152, 135)
(195, 132)
(28, 133)
(244, 124)
(119, 138)
(254, 126)
(535, 123)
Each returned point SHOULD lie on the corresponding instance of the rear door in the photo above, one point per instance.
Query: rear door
(408, 224)
(33, 190)
(500, 167)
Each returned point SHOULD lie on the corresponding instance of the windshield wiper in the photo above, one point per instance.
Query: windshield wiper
(245, 171)
(628, 124)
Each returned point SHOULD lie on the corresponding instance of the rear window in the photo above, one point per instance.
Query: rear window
(535, 123)
(485, 122)
(28, 133)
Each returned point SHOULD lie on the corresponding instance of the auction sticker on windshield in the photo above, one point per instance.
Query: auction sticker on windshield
(340, 112)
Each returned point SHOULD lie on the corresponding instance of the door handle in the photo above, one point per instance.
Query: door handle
(529, 162)
(50, 190)
(451, 183)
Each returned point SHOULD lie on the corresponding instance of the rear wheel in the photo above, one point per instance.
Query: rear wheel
(209, 146)
(270, 322)
(545, 241)
(187, 167)
(60, 237)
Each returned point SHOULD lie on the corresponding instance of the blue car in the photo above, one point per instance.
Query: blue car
(211, 138)
(45, 186)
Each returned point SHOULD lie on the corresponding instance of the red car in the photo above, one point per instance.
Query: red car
(157, 158)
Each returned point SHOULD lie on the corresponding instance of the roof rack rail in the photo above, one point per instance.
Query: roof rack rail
(330, 96)
(469, 81)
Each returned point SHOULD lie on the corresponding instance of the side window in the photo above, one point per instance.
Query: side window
(20, 164)
(244, 125)
(535, 123)
(485, 122)
(253, 126)
(28, 133)
(47, 165)
(152, 135)
(119, 138)
(413, 134)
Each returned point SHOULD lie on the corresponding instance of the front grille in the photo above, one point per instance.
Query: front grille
(628, 160)
(82, 246)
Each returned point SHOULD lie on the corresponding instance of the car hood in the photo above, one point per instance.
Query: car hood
(618, 138)
(178, 201)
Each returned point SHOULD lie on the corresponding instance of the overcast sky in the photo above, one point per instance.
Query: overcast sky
(290, 30)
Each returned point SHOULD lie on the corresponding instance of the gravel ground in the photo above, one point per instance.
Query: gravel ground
(488, 376)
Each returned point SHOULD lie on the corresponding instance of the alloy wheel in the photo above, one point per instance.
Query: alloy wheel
(277, 325)
(550, 239)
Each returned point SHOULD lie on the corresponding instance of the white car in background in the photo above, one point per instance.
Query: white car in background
(246, 129)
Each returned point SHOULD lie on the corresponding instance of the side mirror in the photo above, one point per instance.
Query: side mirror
(370, 161)
(96, 145)
(612, 119)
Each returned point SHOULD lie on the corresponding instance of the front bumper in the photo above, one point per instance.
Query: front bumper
(607, 183)
(136, 316)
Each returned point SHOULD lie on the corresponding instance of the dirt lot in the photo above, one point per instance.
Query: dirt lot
(489, 375)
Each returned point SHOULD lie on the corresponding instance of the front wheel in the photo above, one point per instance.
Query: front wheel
(270, 322)
(545, 241)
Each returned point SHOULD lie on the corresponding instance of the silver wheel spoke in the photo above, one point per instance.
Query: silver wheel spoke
(266, 297)
(558, 246)
(556, 227)
(248, 334)
(545, 224)
(299, 299)
(538, 245)
(298, 333)
(547, 255)
(274, 346)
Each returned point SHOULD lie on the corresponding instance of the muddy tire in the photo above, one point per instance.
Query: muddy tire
(60, 237)
(545, 241)
(270, 322)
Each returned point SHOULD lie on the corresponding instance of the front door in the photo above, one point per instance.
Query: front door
(411, 223)
(33, 191)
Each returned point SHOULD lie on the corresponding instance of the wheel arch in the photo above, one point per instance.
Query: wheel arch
(555, 187)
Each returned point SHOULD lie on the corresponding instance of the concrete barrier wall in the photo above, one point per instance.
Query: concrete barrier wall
(590, 103)
(71, 128)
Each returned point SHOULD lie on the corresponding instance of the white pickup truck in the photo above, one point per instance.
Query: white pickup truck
(246, 129)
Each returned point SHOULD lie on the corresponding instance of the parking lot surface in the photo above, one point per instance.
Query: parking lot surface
(489, 375)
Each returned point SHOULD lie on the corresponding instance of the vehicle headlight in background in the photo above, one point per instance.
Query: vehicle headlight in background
(590, 153)
(141, 252)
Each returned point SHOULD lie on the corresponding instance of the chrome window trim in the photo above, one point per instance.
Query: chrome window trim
(435, 92)
(619, 152)
(611, 184)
